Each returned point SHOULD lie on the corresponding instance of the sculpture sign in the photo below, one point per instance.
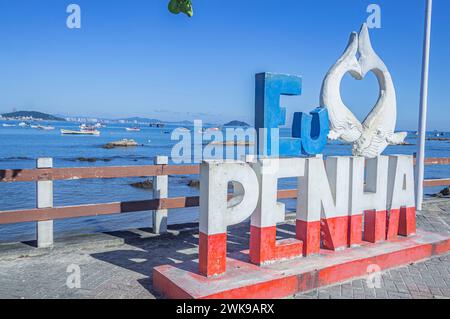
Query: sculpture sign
(346, 206)
(334, 197)
(341, 201)
(371, 137)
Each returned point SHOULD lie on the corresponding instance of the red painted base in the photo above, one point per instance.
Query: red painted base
(334, 232)
(212, 254)
(407, 222)
(245, 280)
(392, 222)
(265, 248)
(309, 234)
(375, 226)
(355, 234)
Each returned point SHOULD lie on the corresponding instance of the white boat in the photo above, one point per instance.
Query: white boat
(45, 128)
(23, 124)
(8, 125)
(133, 129)
(80, 132)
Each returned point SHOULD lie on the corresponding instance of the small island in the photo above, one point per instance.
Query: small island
(30, 116)
(237, 123)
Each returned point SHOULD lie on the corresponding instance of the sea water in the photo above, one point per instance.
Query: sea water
(20, 147)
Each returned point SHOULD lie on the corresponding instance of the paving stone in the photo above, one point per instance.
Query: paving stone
(322, 295)
(445, 292)
(359, 283)
(126, 271)
(401, 287)
(398, 295)
(347, 292)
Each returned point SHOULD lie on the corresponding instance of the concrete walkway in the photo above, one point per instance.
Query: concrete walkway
(119, 265)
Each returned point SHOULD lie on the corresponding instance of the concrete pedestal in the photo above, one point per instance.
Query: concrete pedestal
(244, 280)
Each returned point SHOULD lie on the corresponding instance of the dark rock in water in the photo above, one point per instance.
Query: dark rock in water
(90, 159)
(86, 159)
(147, 184)
(445, 192)
(440, 139)
(122, 143)
(194, 183)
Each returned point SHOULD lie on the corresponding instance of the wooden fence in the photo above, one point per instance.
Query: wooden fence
(44, 175)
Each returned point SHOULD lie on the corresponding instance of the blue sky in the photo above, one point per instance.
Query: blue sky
(134, 58)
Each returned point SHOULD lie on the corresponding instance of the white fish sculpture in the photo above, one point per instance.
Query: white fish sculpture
(370, 138)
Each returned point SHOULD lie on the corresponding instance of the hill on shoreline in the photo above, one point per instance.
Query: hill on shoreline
(237, 123)
(33, 115)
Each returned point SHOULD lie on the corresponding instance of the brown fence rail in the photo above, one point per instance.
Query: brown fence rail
(61, 174)
(53, 174)
(76, 173)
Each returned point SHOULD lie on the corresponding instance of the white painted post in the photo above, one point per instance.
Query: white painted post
(420, 166)
(44, 199)
(160, 190)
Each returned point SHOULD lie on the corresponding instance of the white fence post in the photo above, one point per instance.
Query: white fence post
(160, 190)
(44, 199)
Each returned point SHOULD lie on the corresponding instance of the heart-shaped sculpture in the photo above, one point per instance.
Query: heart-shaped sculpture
(370, 138)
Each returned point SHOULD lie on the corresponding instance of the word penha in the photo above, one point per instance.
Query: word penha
(341, 202)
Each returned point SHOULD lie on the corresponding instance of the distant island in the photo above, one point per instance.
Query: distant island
(31, 115)
(237, 123)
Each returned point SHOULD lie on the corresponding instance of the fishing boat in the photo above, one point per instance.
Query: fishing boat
(84, 130)
(70, 132)
(133, 129)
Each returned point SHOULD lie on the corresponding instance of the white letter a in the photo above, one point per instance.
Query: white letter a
(74, 19)
(374, 20)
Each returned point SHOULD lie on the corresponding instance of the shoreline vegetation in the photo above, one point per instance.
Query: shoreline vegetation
(31, 116)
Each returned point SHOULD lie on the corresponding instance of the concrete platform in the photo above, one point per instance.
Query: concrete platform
(11, 251)
(244, 280)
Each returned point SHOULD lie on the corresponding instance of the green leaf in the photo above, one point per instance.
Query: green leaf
(173, 7)
(184, 6)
